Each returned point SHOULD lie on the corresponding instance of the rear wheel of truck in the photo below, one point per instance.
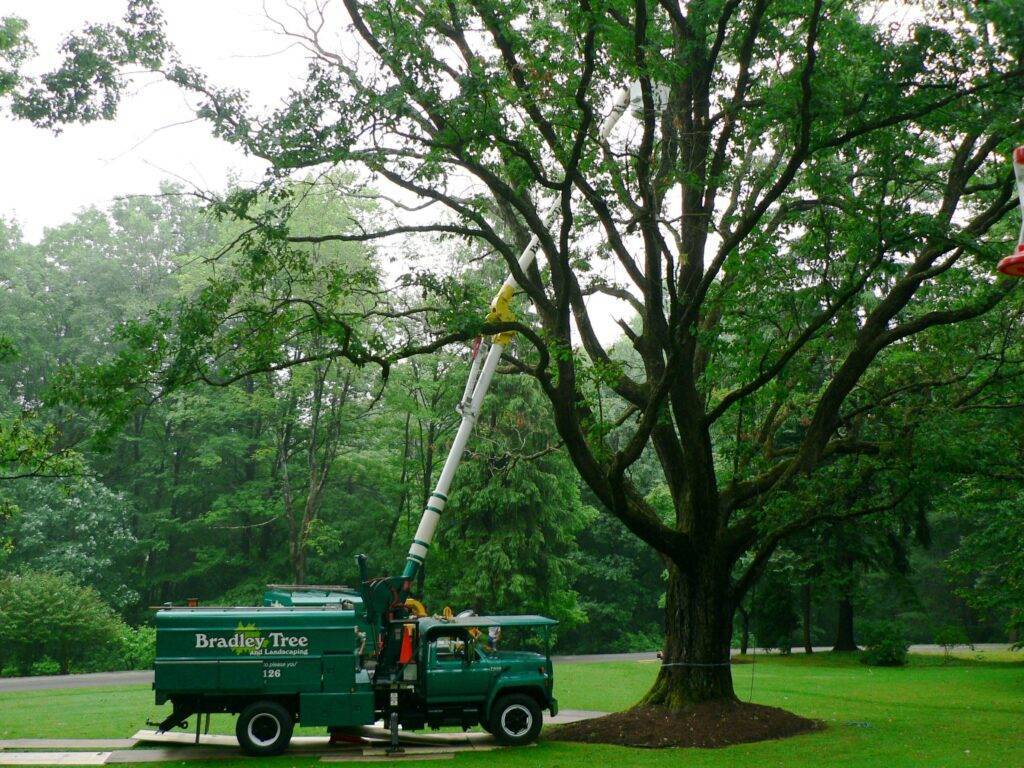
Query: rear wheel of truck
(515, 719)
(264, 728)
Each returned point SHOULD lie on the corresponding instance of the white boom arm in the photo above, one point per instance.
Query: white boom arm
(480, 374)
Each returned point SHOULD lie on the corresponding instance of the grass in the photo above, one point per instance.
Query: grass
(963, 713)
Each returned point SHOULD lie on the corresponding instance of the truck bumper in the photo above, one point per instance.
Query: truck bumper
(553, 706)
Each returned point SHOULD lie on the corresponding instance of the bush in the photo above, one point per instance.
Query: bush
(45, 666)
(129, 648)
(885, 645)
(50, 615)
(636, 642)
(951, 636)
(138, 647)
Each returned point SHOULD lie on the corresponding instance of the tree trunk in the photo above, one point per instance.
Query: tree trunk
(299, 564)
(745, 632)
(806, 598)
(698, 634)
(844, 628)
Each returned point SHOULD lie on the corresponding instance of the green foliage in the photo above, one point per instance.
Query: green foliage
(45, 666)
(509, 539)
(30, 449)
(15, 49)
(89, 85)
(50, 615)
(949, 636)
(82, 528)
(220, 490)
(772, 614)
(885, 644)
(129, 648)
(50, 624)
(990, 553)
(617, 576)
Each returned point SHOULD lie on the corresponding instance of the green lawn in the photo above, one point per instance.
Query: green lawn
(966, 713)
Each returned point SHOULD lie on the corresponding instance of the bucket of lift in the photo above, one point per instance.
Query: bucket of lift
(1013, 265)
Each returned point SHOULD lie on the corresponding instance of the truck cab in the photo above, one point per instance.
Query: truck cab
(461, 680)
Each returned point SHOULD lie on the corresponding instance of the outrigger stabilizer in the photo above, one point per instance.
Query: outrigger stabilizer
(385, 597)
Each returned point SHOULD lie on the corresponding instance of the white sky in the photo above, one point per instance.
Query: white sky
(46, 178)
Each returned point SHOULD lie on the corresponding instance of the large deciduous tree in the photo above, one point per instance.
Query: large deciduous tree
(805, 191)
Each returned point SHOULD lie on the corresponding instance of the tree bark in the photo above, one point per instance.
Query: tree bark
(745, 632)
(844, 628)
(698, 635)
(806, 604)
(299, 561)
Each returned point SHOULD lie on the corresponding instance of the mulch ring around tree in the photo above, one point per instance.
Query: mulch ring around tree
(711, 724)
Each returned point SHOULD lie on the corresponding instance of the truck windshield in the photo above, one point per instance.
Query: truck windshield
(524, 638)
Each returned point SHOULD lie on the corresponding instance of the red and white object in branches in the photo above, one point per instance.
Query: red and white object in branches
(1013, 265)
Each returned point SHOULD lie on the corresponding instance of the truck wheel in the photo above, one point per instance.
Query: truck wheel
(515, 719)
(264, 728)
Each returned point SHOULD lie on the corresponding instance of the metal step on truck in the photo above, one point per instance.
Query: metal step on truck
(316, 665)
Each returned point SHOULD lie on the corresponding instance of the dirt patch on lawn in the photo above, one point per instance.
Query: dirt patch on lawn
(713, 724)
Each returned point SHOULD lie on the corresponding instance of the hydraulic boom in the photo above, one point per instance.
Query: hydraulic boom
(385, 596)
(479, 380)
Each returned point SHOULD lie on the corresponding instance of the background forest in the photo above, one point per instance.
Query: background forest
(113, 504)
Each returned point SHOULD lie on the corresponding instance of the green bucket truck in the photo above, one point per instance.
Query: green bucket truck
(277, 667)
(340, 657)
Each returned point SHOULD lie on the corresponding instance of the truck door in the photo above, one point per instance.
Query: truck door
(455, 672)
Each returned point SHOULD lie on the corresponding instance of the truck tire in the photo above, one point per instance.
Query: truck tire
(515, 719)
(264, 728)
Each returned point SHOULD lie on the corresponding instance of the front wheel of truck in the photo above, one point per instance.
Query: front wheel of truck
(264, 729)
(515, 719)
